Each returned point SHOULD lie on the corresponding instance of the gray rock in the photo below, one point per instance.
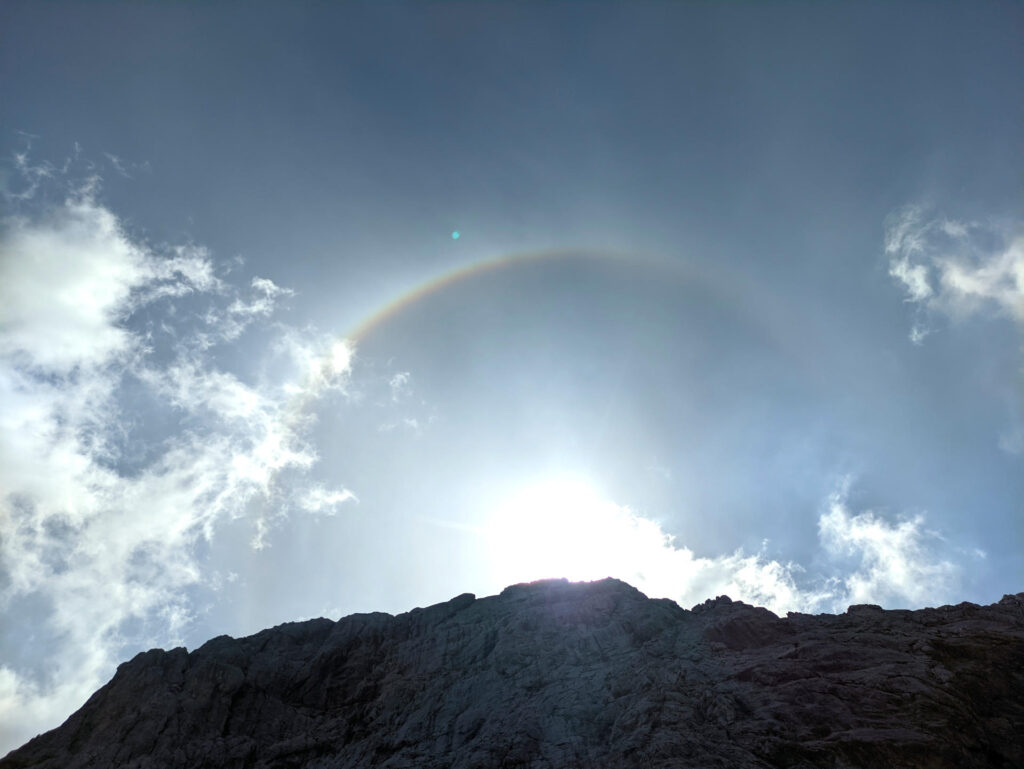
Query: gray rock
(557, 674)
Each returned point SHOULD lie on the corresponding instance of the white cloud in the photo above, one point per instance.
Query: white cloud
(996, 279)
(104, 543)
(565, 529)
(918, 333)
(914, 277)
(261, 303)
(30, 175)
(898, 563)
(61, 311)
(319, 499)
(956, 268)
(399, 384)
(119, 164)
(953, 228)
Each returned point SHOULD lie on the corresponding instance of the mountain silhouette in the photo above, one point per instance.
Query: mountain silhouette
(558, 674)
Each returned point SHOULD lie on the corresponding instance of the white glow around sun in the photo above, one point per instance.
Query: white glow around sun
(564, 528)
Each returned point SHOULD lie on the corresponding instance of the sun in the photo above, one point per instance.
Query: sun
(557, 528)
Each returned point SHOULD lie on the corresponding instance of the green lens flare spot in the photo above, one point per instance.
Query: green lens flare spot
(456, 234)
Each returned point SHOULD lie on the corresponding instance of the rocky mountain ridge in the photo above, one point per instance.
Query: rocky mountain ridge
(557, 674)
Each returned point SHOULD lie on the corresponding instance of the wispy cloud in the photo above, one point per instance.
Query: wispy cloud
(399, 384)
(958, 270)
(103, 544)
(229, 323)
(955, 269)
(124, 167)
(319, 499)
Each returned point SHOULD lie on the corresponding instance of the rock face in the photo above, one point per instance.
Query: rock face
(555, 674)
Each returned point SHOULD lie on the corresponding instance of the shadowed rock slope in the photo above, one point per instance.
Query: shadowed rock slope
(556, 674)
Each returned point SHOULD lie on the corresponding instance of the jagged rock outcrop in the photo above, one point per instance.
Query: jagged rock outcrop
(556, 674)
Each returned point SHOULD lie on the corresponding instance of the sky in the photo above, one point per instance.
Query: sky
(311, 309)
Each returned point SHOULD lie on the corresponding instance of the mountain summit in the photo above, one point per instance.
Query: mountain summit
(558, 674)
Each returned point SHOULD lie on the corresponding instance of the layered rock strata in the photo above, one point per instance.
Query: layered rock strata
(557, 674)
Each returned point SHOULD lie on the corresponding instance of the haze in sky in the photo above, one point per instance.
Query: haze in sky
(311, 309)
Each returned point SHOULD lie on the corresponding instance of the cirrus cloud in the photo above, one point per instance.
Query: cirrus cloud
(956, 269)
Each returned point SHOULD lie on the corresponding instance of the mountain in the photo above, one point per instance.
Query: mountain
(559, 674)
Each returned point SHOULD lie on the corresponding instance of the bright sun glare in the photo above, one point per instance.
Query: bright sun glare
(559, 528)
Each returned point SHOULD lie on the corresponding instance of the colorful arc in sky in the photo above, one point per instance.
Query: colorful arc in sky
(680, 270)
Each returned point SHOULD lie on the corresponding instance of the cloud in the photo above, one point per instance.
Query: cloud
(896, 563)
(565, 529)
(319, 499)
(61, 312)
(959, 270)
(124, 167)
(399, 384)
(955, 269)
(30, 176)
(261, 303)
(100, 521)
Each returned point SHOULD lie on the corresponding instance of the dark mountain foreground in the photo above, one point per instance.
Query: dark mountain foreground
(554, 674)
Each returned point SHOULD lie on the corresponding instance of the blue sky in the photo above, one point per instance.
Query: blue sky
(736, 307)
